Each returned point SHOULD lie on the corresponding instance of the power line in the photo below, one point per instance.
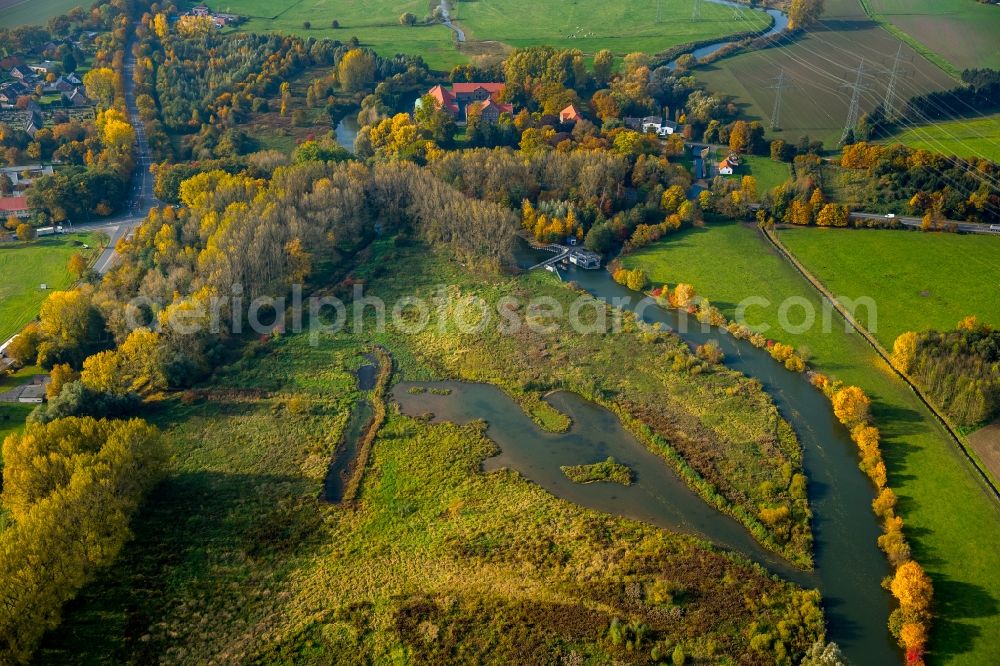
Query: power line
(852, 112)
(780, 85)
(890, 91)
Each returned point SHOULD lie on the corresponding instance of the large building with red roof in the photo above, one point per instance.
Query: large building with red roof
(461, 98)
(14, 206)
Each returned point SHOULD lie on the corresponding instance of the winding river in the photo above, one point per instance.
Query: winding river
(849, 567)
(779, 23)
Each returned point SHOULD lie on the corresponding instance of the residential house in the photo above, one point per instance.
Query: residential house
(34, 124)
(61, 85)
(76, 97)
(726, 167)
(43, 67)
(22, 73)
(570, 115)
(200, 10)
(14, 206)
(658, 126)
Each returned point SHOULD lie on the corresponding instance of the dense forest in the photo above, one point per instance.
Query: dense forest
(959, 369)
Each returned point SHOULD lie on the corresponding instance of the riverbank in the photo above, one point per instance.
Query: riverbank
(949, 517)
(236, 560)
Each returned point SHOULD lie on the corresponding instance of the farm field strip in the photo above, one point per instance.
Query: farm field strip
(818, 67)
(963, 33)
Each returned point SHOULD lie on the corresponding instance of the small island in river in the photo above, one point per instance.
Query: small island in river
(609, 470)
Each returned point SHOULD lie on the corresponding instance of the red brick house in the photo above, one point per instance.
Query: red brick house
(462, 97)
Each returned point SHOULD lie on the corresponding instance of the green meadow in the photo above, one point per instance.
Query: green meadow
(964, 137)
(919, 281)
(591, 25)
(493, 26)
(26, 266)
(950, 519)
(34, 12)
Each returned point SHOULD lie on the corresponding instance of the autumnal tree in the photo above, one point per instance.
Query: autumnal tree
(832, 215)
(904, 350)
(408, 19)
(606, 105)
(77, 264)
(71, 487)
(60, 375)
(913, 588)
(604, 63)
(803, 13)
(356, 70)
(682, 296)
(885, 503)
(66, 322)
(24, 347)
(672, 199)
(137, 366)
(851, 406)
(739, 137)
(100, 85)
(25, 232)
(799, 212)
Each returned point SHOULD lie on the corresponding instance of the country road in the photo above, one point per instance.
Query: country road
(141, 197)
(915, 222)
(446, 19)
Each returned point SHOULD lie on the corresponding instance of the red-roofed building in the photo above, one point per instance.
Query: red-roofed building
(445, 100)
(570, 114)
(490, 110)
(16, 206)
(726, 167)
(464, 96)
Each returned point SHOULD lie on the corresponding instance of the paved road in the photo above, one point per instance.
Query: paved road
(141, 197)
(915, 222)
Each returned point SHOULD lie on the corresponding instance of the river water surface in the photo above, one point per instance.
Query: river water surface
(849, 567)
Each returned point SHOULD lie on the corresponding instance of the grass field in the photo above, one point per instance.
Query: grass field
(963, 32)
(950, 520)
(817, 66)
(918, 281)
(972, 137)
(491, 26)
(591, 25)
(236, 561)
(34, 12)
(769, 174)
(25, 266)
(12, 414)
